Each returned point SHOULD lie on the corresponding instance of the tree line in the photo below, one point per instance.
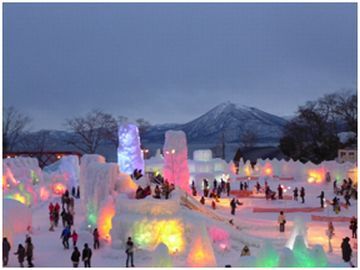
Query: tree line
(88, 132)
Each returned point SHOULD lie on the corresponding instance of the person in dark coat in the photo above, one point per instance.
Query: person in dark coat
(347, 198)
(6, 251)
(75, 257)
(353, 227)
(322, 198)
(346, 249)
(280, 192)
(78, 192)
(129, 252)
(215, 184)
(241, 186)
(29, 251)
(96, 238)
(258, 187)
(157, 192)
(233, 206)
(86, 255)
(246, 186)
(20, 254)
(228, 188)
(335, 186)
(302, 194)
(73, 191)
(63, 217)
(202, 200)
(296, 194)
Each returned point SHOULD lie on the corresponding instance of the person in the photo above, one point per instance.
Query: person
(6, 251)
(96, 238)
(322, 198)
(74, 237)
(51, 207)
(157, 192)
(86, 255)
(347, 198)
(20, 254)
(246, 185)
(215, 184)
(328, 177)
(75, 257)
(353, 227)
(302, 194)
(245, 251)
(280, 192)
(335, 186)
(330, 234)
(282, 221)
(296, 193)
(241, 186)
(346, 250)
(63, 217)
(56, 214)
(202, 200)
(78, 192)
(233, 206)
(129, 252)
(194, 192)
(228, 188)
(213, 204)
(258, 187)
(52, 220)
(29, 251)
(65, 235)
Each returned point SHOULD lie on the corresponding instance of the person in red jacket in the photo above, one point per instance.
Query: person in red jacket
(75, 237)
(51, 207)
(96, 238)
(213, 205)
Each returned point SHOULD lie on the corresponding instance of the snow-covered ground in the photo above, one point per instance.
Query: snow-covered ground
(253, 228)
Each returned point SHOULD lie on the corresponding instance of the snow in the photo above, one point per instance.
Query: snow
(178, 231)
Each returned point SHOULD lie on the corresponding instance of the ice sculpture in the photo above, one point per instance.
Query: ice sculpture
(268, 256)
(161, 257)
(202, 155)
(201, 253)
(129, 152)
(298, 229)
(175, 151)
(104, 222)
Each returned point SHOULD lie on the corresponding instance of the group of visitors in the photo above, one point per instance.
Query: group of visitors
(22, 252)
(302, 194)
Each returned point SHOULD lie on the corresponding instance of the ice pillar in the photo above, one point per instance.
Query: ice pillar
(175, 152)
(129, 152)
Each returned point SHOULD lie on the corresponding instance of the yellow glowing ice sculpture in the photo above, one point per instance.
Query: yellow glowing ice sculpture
(104, 220)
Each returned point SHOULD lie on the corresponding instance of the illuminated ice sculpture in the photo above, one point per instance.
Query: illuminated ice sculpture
(175, 151)
(129, 152)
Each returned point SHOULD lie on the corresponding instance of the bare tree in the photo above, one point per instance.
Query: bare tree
(143, 126)
(113, 135)
(249, 138)
(91, 130)
(14, 125)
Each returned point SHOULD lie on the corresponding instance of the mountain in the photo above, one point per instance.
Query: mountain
(227, 119)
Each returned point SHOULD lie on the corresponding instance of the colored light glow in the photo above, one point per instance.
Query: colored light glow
(8, 179)
(268, 171)
(268, 257)
(105, 220)
(91, 214)
(201, 253)
(316, 176)
(58, 188)
(44, 194)
(18, 197)
(149, 234)
(247, 170)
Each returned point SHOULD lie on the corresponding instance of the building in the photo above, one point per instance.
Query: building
(347, 154)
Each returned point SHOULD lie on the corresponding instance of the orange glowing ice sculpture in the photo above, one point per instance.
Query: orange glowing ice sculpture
(201, 253)
(104, 220)
(58, 188)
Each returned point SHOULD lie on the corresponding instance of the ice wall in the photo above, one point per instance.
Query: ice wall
(18, 218)
(129, 154)
(175, 152)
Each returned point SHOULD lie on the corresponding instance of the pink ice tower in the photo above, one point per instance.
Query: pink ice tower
(175, 152)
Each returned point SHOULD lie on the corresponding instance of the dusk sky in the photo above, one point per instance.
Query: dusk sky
(170, 63)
